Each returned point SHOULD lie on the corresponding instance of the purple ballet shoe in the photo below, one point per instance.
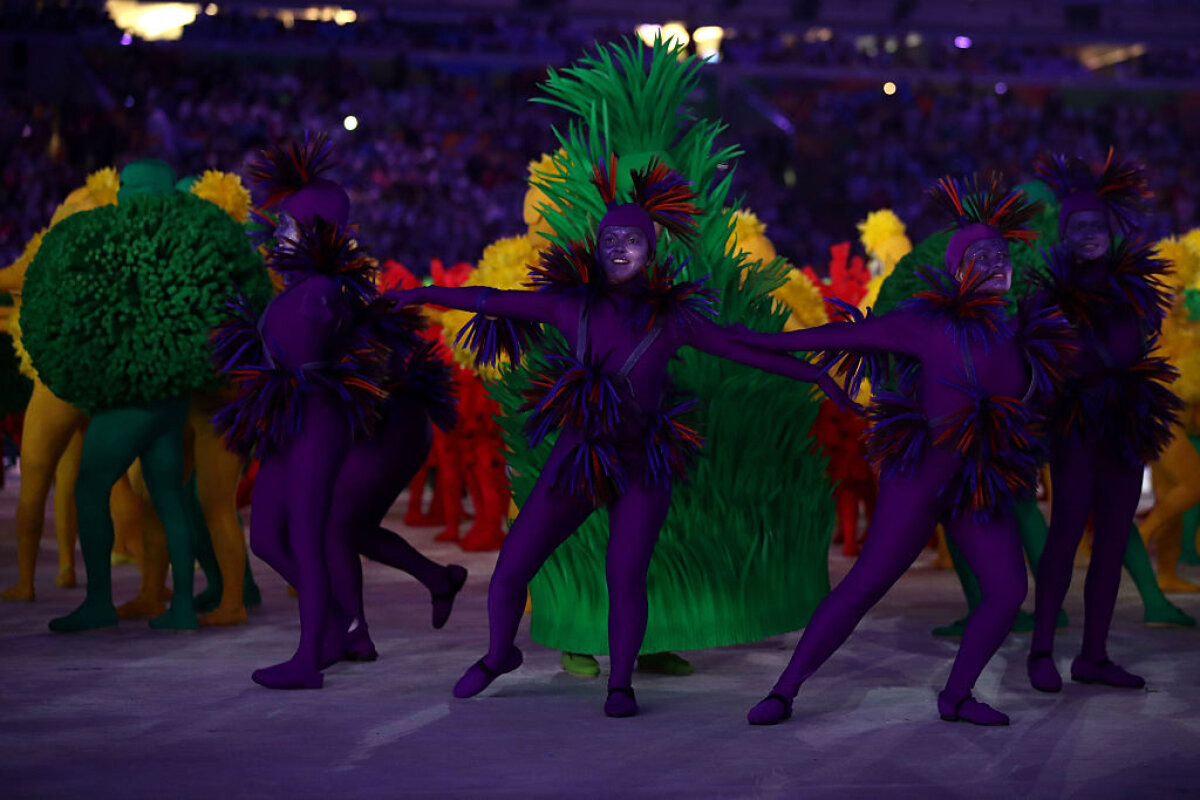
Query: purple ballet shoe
(480, 675)
(771, 710)
(359, 646)
(968, 709)
(443, 602)
(1104, 672)
(621, 702)
(1043, 675)
(288, 675)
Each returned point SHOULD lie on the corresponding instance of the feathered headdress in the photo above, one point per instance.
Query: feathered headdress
(660, 195)
(982, 209)
(1117, 190)
(291, 178)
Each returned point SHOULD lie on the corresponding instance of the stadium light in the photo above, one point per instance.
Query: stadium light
(350, 122)
(151, 21)
(889, 88)
(708, 43)
(647, 33)
(675, 34)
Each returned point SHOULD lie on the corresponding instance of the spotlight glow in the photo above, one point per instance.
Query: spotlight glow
(647, 33)
(675, 35)
(211, 9)
(350, 122)
(962, 42)
(889, 88)
(708, 43)
(1001, 87)
(152, 21)
(126, 40)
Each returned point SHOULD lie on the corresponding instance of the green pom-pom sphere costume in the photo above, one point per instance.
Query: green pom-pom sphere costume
(117, 308)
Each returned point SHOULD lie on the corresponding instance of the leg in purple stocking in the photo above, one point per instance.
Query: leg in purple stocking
(1071, 470)
(904, 519)
(548, 517)
(1119, 486)
(268, 518)
(633, 525)
(312, 461)
(993, 551)
(375, 473)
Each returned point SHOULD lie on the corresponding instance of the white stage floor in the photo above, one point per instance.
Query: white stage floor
(133, 713)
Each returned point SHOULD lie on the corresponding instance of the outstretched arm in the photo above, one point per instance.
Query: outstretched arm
(897, 332)
(523, 306)
(720, 341)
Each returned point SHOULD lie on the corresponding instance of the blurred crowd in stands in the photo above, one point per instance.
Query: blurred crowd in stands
(438, 160)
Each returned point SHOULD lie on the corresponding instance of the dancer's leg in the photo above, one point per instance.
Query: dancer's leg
(904, 520)
(1158, 610)
(217, 474)
(46, 432)
(312, 460)
(1118, 490)
(114, 439)
(162, 466)
(1074, 489)
(633, 526)
(993, 551)
(548, 517)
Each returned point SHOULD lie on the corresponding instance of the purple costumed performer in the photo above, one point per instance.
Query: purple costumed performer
(954, 444)
(314, 375)
(1115, 411)
(622, 314)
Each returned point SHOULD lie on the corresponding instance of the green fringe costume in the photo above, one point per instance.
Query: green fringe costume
(117, 307)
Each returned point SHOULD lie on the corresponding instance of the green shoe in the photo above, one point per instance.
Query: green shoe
(952, 631)
(1024, 622)
(580, 664)
(665, 664)
(1167, 615)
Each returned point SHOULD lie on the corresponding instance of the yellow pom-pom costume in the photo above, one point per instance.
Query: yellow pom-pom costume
(1176, 474)
(225, 190)
(52, 434)
(884, 238)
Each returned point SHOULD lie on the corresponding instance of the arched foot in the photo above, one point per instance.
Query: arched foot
(1167, 615)
(1105, 673)
(953, 630)
(481, 674)
(621, 702)
(771, 710)
(288, 675)
(1043, 674)
(581, 664)
(86, 618)
(481, 540)
(443, 602)
(141, 607)
(664, 664)
(18, 592)
(208, 600)
(224, 616)
(968, 709)
(176, 619)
